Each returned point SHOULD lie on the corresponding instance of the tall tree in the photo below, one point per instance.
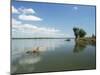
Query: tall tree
(76, 32)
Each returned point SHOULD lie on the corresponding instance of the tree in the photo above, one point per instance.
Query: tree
(76, 32)
(82, 33)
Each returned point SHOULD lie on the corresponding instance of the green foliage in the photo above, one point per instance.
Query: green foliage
(79, 32)
(76, 32)
(82, 33)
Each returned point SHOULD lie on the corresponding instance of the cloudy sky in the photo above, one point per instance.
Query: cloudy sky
(31, 19)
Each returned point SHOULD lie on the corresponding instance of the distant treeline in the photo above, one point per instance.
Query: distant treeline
(45, 38)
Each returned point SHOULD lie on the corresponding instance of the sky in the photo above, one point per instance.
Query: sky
(36, 19)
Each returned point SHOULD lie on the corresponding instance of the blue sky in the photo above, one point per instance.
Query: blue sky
(31, 19)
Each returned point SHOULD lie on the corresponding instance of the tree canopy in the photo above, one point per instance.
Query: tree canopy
(82, 33)
(79, 32)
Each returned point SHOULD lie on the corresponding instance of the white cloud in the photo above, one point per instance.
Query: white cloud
(25, 14)
(22, 10)
(33, 28)
(28, 30)
(14, 10)
(26, 10)
(48, 30)
(20, 29)
(29, 18)
(15, 22)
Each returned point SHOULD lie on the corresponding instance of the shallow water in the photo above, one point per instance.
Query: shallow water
(53, 55)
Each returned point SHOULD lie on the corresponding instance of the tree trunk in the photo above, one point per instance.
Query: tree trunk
(77, 38)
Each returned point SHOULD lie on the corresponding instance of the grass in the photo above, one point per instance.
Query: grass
(87, 40)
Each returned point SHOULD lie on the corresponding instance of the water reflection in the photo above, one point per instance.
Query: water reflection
(26, 63)
(79, 47)
(25, 54)
(50, 55)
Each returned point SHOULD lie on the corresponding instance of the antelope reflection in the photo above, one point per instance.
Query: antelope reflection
(27, 62)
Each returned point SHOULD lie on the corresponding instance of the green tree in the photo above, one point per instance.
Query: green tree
(76, 32)
(82, 33)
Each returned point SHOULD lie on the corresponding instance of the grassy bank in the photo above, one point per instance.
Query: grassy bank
(87, 40)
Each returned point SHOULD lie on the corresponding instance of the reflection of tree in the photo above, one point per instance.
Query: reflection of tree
(93, 42)
(79, 46)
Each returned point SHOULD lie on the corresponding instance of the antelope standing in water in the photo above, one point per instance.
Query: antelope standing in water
(34, 50)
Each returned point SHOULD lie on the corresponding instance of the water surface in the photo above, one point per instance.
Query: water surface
(53, 55)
